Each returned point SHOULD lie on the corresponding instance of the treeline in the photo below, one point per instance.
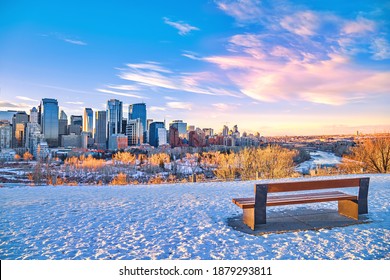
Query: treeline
(369, 156)
(127, 168)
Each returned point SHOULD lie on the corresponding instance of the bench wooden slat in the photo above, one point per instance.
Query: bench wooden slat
(313, 185)
(296, 199)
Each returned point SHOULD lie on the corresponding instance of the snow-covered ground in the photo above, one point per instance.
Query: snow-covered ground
(318, 158)
(181, 221)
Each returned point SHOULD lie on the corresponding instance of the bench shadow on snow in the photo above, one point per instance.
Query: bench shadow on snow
(298, 219)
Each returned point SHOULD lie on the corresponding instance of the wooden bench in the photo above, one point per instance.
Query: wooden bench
(254, 208)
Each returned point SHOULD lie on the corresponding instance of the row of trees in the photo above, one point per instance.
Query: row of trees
(369, 156)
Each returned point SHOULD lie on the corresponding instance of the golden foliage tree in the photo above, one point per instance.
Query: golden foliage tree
(274, 162)
(373, 155)
(120, 179)
(159, 159)
(124, 158)
(27, 156)
(226, 166)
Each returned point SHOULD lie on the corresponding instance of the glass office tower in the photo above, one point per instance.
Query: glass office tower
(88, 120)
(153, 133)
(101, 130)
(49, 121)
(114, 117)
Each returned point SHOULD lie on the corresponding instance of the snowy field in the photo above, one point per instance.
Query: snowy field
(181, 221)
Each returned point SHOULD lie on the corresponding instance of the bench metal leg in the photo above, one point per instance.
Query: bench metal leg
(362, 197)
(261, 191)
(349, 208)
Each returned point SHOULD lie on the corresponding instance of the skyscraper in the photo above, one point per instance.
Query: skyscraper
(114, 117)
(101, 130)
(138, 111)
(63, 124)
(34, 115)
(181, 128)
(19, 121)
(134, 132)
(88, 120)
(49, 121)
(76, 125)
(153, 133)
(5, 134)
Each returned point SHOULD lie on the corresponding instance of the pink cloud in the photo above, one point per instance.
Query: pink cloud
(334, 81)
(302, 23)
(359, 26)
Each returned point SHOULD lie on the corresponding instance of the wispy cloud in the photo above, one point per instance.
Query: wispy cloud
(157, 109)
(124, 87)
(25, 98)
(242, 11)
(6, 105)
(303, 23)
(182, 27)
(180, 105)
(147, 75)
(75, 102)
(65, 38)
(381, 49)
(74, 42)
(359, 26)
(120, 93)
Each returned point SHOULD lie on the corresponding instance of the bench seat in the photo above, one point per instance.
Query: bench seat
(279, 200)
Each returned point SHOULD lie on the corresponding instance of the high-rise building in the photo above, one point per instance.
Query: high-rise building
(117, 142)
(7, 115)
(19, 121)
(101, 130)
(134, 132)
(76, 120)
(153, 133)
(114, 117)
(62, 124)
(174, 139)
(181, 127)
(138, 111)
(49, 121)
(225, 130)
(76, 125)
(5, 134)
(34, 136)
(208, 132)
(197, 138)
(88, 120)
(148, 122)
(162, 136)
(34, 115)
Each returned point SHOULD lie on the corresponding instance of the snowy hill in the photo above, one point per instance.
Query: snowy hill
(181, 221)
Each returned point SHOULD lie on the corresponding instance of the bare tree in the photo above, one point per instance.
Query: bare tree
(373, 155)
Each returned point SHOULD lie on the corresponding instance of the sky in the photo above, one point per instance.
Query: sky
(276, 67)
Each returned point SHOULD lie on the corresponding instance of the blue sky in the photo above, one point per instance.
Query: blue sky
(277, 67)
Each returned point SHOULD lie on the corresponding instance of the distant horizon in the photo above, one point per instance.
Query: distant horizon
(280, 68)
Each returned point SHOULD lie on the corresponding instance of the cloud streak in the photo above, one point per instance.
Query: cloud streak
(182, 27)
(156, 77)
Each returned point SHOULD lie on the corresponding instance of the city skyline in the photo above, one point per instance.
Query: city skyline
(274, 67)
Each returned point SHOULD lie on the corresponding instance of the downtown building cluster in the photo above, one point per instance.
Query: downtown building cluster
(47, 127)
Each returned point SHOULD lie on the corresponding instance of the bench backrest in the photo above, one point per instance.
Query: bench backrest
(314, 185)
(262, 190)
